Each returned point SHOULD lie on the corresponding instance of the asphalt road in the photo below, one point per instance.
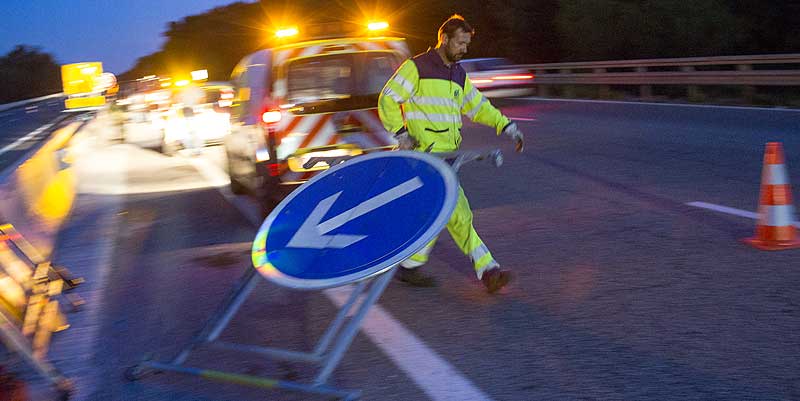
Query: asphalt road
(19, 122)
(622, 290)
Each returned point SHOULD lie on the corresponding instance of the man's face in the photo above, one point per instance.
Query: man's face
(455, 46)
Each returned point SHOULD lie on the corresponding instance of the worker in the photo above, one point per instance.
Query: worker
(421, 105)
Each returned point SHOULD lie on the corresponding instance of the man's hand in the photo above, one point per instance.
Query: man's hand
(405, 141)
(516, 135)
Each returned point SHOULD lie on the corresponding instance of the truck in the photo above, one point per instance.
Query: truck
(83, 84)
(308, 99)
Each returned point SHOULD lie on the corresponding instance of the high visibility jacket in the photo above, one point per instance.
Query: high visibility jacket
(432, 97)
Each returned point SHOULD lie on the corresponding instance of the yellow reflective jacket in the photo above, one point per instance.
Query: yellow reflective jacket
(433, 97)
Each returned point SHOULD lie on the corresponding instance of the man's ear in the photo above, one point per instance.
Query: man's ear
(443, 38)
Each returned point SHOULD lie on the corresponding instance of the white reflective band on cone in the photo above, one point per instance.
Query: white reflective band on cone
(777, 216)
(777, 174)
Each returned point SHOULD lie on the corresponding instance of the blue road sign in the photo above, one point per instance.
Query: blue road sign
(355, 220)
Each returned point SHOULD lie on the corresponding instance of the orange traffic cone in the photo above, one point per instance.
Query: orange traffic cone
(775, 229)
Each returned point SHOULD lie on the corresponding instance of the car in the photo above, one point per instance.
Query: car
(205, 122)
(498, 77)
(315, 98)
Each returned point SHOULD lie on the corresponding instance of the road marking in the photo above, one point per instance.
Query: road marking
(30, 135)
(729, 210)
(704, 106)
(434, 375)
(522, 119)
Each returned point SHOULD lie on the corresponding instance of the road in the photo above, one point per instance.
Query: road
(23, 127)
(622, 290)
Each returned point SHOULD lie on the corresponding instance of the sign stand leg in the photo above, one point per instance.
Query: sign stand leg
(343, 342)
(19, 344)
(220, 319)
(338, 337)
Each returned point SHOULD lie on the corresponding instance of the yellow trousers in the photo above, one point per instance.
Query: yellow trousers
(463, 233)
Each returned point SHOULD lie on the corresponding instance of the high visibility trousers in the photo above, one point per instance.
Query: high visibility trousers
(463, 233)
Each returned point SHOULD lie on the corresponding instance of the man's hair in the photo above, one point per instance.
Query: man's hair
(453, 24)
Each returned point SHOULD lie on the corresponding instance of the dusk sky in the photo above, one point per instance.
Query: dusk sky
(116, 32)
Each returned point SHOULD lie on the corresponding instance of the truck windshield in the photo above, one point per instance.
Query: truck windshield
(339, 76)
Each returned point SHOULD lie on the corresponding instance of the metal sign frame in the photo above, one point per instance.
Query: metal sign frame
(368, 285)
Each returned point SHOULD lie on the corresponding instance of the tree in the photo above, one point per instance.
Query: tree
(26, 72)
(619, 29)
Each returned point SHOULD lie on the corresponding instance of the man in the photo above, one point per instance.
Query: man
(422, 105)
(191, 97)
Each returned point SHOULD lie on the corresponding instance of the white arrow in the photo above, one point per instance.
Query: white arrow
(311, 233)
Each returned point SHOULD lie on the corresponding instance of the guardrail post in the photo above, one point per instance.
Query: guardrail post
(541, 90)
(604, 91)
(692, 91)
(748, 91)
(645, 91)
(569, 90)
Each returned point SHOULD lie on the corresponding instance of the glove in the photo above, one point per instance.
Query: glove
(405, 141)
(516, 135)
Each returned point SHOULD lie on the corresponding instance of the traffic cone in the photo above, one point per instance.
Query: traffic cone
(775, 229)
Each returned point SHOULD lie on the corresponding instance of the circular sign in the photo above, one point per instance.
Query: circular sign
(356, 220)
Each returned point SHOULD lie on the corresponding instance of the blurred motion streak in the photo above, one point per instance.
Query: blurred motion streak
(48, 188)
(38, 196)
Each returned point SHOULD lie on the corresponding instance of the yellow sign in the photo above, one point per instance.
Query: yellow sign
(80, 78)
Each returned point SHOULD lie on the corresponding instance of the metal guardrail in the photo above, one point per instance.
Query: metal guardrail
(744, 71)
(8, 106)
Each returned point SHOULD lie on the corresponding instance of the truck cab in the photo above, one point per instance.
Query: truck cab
(314, 98)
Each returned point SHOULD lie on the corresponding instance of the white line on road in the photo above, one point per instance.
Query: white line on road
(30, 135)
(729, 210)
(704, 106)
(435, 376)
(522, 119)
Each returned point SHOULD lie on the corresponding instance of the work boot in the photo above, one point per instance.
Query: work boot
(415, 278)
(495, 278)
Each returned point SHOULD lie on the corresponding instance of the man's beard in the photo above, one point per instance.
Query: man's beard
(454, 57)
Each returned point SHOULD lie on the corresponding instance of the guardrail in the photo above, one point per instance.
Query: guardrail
(8, 106)
(746, 72)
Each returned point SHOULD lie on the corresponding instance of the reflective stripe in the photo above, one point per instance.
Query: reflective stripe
(777, 174)
(392, 94)
(372, 45)
(777, 216)
(435, 101)
(479, 252)
(421, 257)
(410, 264)
(310, 51)
(474, 111)
(426, 250)
(399, 46)
(433, 117)
(471, 95)
(408, 86)
(489, 266)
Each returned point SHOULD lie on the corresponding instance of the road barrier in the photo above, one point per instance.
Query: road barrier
(37, 196)
(29, 306)
(746, 72)
(35, 199)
